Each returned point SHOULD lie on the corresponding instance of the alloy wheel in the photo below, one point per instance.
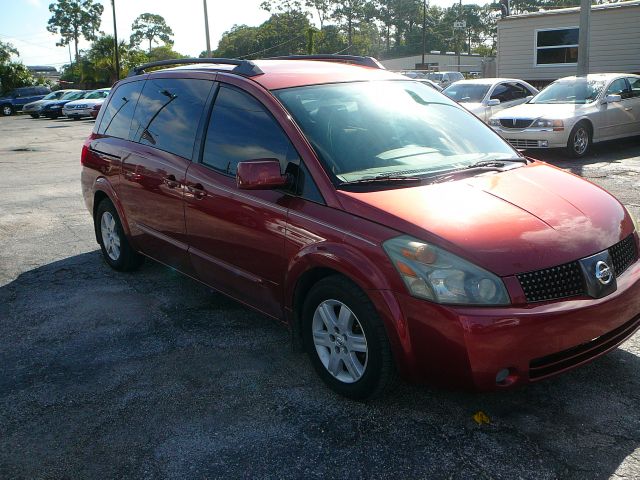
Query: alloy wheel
(580, 140)
(110, 236)
(6, 110)
(339, 341)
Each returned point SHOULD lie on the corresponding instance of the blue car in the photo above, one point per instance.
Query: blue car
(54, 109)
(14, 100)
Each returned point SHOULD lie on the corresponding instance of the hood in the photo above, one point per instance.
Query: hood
(85, 101)
(509, 222)
(551, 111)
(37, 103)
(474, 107)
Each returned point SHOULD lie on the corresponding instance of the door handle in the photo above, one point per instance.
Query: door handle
(197, 190)
(627, 109)
(171, 182)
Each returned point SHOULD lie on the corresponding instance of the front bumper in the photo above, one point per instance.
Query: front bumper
(466, 347)
(77, 112)
(52, 113)
(28, 109)
(533, 137)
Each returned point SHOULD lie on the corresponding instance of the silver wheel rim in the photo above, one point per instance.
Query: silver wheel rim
(110, 237)
(6, 110)
(340, 341)
(580, 141)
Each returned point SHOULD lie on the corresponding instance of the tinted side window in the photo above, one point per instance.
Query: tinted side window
(168, 114)
(635, 86)
(518, 91)
(500, 92)
(619, 87)
(304, 186)
(116, 119)
(242, 129)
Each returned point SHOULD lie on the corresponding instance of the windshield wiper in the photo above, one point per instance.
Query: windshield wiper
(383, 179)
(495, 163)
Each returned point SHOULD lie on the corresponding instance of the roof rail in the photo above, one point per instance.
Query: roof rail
(355, 59)
(243, 67)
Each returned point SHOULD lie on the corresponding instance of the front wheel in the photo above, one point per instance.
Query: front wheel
(7, 110)
(579, 140)
(113, 242)
(34, 115)
(346, 339)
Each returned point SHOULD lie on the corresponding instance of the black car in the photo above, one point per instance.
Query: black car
(54, 109)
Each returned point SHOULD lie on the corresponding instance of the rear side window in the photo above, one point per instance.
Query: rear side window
(168, 114)
(116, 119)
(242, 129)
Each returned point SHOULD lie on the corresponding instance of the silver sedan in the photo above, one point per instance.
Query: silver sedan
(574, 113)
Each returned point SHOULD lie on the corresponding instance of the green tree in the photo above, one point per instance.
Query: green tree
(6, 51)
(73, 19)
(163, 52)
(14, 75)
(349, 14)
(150, 27)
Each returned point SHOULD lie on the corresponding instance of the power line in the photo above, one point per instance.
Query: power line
(275, 46)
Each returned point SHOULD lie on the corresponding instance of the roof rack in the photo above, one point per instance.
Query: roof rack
(243, 67)
(355, 59)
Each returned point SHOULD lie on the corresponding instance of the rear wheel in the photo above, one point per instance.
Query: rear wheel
(113, 242)
(7, 110)
(346, 339)
(579, 140)
(34, 115)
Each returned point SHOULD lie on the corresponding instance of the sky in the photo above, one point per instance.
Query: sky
(24, 24)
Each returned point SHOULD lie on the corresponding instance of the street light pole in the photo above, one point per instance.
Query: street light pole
(458, 42)
(424, 28)
(583, 37)
(206, 28)
(115, 40)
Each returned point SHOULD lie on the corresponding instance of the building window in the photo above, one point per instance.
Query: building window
(557, 46)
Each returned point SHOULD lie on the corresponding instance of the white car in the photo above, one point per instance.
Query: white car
(573, 113)
(445, 79)
(485, 97)
(82, 108)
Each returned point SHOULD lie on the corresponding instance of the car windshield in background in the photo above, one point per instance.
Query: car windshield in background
(72, 96)
(97, 94)
(436, 77)
(364, 130)
(466, 92)
(51, 96)
(573, 91)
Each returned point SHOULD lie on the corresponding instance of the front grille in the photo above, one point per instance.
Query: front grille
(623, 254)
(522, 143)
(516, 122)
(556, 362)
(552, 283)
(567, 280)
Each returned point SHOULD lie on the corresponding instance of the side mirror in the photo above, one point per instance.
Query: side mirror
(260, 174)
(493, 102)
(612, 98)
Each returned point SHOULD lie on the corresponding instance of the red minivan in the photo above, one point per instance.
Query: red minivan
(389, 229)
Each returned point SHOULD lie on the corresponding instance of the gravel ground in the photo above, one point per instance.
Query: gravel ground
(152, 375)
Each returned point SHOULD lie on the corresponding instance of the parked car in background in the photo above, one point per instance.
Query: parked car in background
(54, 109)
(96, 109)
(487, 96)
(429, 83)
(574, 113)
(388, 227)
(14, 100)
(444, 79)
(34, 108)
(77, 109)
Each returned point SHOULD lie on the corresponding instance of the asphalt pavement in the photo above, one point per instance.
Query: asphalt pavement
(152, 375)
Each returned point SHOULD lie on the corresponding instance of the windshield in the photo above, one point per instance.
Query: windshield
(366, 129)
(72, 95)
(51, 96)
(580, 90)
(97, 94)
(466, 92)
(436, 77)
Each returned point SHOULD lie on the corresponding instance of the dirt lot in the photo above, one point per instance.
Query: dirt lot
(151, 375)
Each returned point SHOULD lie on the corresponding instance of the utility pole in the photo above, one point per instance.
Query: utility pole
(206, 28)
(583, 37)
(424, 29)
(115, 40)
(458, 42)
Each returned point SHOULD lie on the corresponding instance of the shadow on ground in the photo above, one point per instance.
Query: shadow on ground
(151, 375)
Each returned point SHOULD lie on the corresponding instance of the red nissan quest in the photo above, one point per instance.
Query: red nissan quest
(389, 229)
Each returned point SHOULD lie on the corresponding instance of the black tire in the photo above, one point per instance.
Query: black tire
(34, 115)
(76, 118)
(379, 370)
(127, 259)
(6, 110)
(579, 142)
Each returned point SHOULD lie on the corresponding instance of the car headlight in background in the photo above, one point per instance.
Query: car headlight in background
(434, 274)
(557, 125)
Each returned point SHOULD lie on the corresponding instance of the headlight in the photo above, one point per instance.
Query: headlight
(434, 274)
(557, 125)
(494, 122)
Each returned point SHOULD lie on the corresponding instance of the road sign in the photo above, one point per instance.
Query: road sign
(460, 24)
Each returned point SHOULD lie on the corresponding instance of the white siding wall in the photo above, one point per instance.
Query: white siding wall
(468, 63)
(614, 45)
